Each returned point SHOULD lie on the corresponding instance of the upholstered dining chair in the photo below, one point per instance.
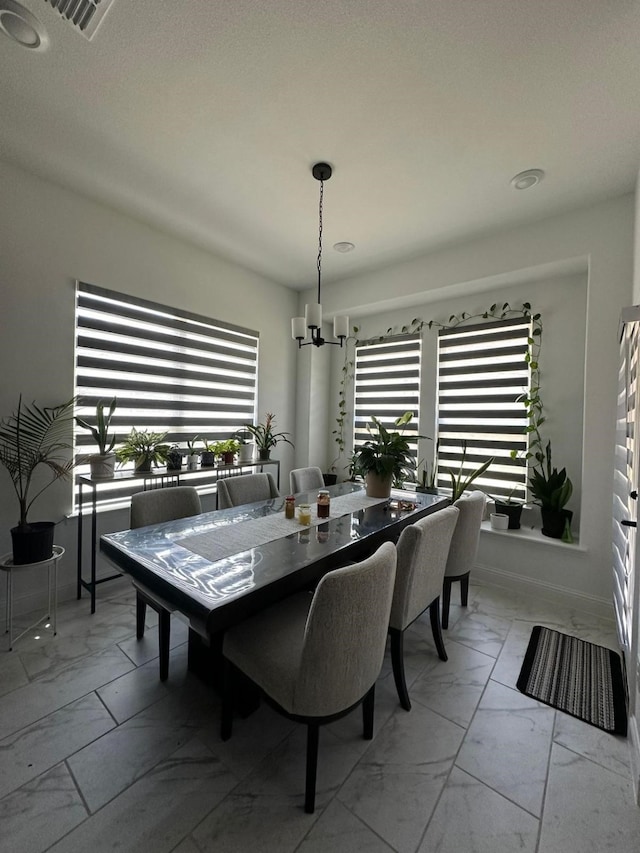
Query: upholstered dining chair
(235, 491)
(154, 507)
(316, 656)
(305, 479)
(464, 549)
(422, 548)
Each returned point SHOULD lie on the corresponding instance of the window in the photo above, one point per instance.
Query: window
(172, 371)
(387, 384)
(482, 375)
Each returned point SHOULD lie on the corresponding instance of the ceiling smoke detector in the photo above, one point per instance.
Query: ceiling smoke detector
(21, 26)
(344, 246)
(524, 180)
(85, 16)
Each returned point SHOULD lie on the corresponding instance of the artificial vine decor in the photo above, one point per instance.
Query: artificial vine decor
(531, 401)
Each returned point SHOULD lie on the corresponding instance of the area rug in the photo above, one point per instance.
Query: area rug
(576, 677)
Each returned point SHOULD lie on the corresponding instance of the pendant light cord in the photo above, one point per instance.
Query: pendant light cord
(320, 238)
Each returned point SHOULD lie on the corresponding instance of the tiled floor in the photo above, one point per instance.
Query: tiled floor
(96, 754)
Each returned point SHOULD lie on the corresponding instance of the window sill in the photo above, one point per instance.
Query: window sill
(534, 535)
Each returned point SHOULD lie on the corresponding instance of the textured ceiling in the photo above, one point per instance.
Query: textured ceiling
(204, 117)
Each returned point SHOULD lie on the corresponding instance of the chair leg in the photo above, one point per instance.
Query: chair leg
(164, 638)
(226, 712)
(397, 660)
(434, 613)
(464, 589)
(313, 730)
(446, 599)
(141, 612)
(368, 706)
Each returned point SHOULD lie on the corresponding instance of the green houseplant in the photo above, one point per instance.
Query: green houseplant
(103, 462)
(551, 490)
(245, 440)
(30, 438)
(143, 448)
(192, 453)
(227, 450)
(460, 481)
(266, 437)
(385, 456)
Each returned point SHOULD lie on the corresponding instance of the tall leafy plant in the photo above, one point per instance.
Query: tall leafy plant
(36, 437)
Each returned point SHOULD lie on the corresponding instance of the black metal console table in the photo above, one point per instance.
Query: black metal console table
(141, 482)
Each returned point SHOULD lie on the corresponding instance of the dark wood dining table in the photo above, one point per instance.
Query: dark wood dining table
(214, 593)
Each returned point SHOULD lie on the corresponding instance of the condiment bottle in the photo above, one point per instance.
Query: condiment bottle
(323, 503)
(304, 514)
(290, 507)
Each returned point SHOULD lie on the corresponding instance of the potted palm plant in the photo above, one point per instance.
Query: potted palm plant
(551, 490)
(143, 448)
(103, 462)
(385, 456)
(266, 437)
(30, 438)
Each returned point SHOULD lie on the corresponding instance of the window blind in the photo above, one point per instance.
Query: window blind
(172, 371)
(387, 384)
(482, 375)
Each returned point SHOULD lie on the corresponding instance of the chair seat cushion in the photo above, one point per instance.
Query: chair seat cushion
(267, 647)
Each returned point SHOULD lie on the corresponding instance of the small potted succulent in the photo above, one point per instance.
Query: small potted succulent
(266, 437)
(103, 462)
(144, 449)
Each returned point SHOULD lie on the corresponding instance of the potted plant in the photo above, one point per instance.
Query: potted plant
(192, 453)
(31, 437)
(266, 437)
(227, 450)
(551, 490)
(174, 458)
(143, 448)
(511, 508)
(427, 477)
(460, 481)
(245, 449)
(103, 462)
(208, 455)
(385, 456)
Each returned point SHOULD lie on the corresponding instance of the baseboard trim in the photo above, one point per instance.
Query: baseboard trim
(552, 592)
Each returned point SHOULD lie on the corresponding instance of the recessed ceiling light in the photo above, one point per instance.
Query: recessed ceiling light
(524, 180)
(344, 246)
(21, 26)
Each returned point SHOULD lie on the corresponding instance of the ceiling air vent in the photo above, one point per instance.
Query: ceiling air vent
(83, 15)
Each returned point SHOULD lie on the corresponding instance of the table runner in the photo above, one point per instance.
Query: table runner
(223, 541)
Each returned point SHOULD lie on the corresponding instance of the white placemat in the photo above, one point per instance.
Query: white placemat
(221, 542)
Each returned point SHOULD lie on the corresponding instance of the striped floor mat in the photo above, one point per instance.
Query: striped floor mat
(576, 677)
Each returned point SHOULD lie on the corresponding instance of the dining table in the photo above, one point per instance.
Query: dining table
(217, 568)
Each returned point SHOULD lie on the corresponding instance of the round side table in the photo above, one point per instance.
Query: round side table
(6, 565)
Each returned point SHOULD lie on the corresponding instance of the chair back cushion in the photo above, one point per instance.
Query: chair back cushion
(305, 479)
(236, 491)
(464, 544)
(345, 635)
(160, 505)
(423, 548)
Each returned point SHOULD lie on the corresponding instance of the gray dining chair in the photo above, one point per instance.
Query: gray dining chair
(154, 507)
(235, 491)
(464, 549)
(422, 548)
(316, 656)
(305, 479)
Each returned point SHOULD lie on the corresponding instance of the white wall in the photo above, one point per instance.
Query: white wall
(594, 242)
(50, 238)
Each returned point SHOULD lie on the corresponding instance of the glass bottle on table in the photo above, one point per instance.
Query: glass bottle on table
(304, 514)
(323, 503)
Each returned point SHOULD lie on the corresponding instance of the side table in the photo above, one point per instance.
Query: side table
(6, 565)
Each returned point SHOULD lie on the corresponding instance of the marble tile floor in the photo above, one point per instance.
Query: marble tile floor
(97, 755)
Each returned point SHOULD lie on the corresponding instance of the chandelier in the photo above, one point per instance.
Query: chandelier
(312, 319)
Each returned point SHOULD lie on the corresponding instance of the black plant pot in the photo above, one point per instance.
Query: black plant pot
(263, 455)
(207, 458)
(174, 461)
(512, 511)
(330, 479)
(553, 521)
(32, 543)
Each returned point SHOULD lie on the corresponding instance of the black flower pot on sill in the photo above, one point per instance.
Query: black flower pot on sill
(33, 542)
(513, 511)
(263, 454)
(330, 479)
(554, 521)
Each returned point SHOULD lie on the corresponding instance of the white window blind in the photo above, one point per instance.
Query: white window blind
(482, 375)
(387, 384)
(172, 371)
